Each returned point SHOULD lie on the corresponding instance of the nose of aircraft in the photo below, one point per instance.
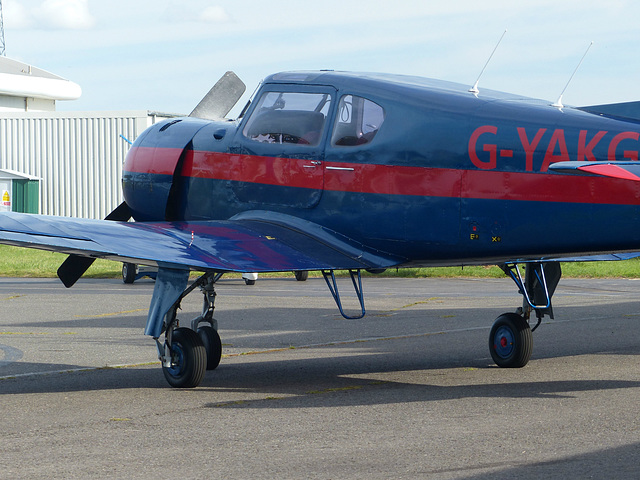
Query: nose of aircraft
(151, 163)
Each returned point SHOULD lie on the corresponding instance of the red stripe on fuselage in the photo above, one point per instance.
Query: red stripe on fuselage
(158, 161)
(542, 187)
(351, 177)
(399, 180)
(290, 172)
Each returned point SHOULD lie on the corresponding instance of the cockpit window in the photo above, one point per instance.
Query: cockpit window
(357, 122)
(288, 117)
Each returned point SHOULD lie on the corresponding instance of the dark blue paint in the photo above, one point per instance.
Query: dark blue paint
(428, 124)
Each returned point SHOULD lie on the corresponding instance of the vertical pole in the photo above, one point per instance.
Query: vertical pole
(2, 45)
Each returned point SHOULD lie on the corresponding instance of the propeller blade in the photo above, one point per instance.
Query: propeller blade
(221, 98)
(73, 268)
(122, 213)
(76, 265)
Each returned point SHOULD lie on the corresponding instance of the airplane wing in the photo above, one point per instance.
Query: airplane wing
(604, 257)
(251, 242)
(610, 257)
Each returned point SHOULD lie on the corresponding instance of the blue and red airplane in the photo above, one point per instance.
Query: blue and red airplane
(344, 171)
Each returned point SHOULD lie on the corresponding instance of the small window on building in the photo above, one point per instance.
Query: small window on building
(288, 117)
(358, 121)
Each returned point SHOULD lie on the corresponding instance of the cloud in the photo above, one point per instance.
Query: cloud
(214, 15)
(65, 14)
(16, 14)
(50, 14)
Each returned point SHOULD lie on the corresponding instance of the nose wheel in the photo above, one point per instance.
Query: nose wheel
(511, 341)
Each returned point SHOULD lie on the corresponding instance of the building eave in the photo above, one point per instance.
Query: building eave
(19, 79)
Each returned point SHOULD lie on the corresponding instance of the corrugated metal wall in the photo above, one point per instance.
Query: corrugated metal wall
(78, 156)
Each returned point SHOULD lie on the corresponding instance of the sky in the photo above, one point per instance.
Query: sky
(164, 55)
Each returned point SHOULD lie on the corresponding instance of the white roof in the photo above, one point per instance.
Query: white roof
(5, 173)
(19, 79)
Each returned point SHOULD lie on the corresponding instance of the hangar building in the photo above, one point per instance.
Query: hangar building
(59, 163)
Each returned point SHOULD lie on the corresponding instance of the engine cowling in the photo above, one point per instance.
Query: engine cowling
(152, 164)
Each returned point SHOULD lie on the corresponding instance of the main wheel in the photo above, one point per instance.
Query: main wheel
(188, 359)
(128, 272)
(511, 341)
(212, 345)
(301, 275)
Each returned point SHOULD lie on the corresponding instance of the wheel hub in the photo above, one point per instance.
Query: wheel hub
(504, 343)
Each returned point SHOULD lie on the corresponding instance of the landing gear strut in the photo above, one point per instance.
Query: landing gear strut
(187, 353)
(511, 339)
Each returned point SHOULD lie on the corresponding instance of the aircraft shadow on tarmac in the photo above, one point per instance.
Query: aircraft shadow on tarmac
(106, 321)
(295, 375)
(336, 380)
(619, 462)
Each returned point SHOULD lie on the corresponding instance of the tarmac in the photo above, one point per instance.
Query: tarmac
(407, 392)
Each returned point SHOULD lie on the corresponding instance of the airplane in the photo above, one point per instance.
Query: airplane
(328, 170)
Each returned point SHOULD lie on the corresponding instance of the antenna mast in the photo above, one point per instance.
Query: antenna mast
(2, 45)
(558, 103)
(474, 89)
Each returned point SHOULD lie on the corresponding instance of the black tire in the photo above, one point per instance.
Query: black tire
(249, 282)
(301, 275)
(376, 271)
(128, 272)
(212, 344)
(511, 341)
(189, 359)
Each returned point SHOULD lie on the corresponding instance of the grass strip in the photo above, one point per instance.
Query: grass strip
(28, 262)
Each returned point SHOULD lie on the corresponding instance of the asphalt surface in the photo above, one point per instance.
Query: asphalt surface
(409, 391)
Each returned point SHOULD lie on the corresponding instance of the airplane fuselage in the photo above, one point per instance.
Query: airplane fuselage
(336, 171)
(444, 177)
